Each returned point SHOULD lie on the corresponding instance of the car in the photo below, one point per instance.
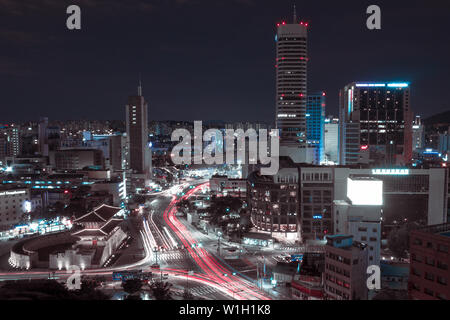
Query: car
(155, 266)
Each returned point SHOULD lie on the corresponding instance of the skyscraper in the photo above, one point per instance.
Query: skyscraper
(315, 124)
(291, 85)
(418, 132)
(376, 124)
(137, 133)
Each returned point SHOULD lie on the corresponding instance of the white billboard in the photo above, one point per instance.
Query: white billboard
(365, 191)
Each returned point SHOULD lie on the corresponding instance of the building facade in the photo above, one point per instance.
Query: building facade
(429, 277)
(291, 82)
(418, 134)
(345, 269)
(273, 202)
(14, 204)
(417, 195)
(137, 133)
(76, 159)
(331, 144)
(382, 112)
(315, 124)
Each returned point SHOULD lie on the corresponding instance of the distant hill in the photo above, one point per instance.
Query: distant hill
(440, 118)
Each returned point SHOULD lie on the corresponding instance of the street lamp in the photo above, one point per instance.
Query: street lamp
(218, 242)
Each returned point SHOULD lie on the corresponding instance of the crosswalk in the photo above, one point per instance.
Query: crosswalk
(202, 291)
(177, 255)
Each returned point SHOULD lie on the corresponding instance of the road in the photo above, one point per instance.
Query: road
(163, 230)
(234, 285)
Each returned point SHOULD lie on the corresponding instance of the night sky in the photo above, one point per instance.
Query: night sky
(209, 59)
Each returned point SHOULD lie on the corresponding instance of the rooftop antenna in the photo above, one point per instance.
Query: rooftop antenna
(295, 15)
(140, 86)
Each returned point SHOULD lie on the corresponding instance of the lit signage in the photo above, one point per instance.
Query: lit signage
(398, 85)
(396, 172)
(296, 257)
(371, 85)
(350, 101)
(317, 217)
(382, 85)
(12, 193)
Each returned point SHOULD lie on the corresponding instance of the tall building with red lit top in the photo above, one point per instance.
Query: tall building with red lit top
(291, 86)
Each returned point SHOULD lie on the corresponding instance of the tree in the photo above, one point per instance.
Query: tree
(47, 290)
(222, 207)
(398, 241)
(132, 286)
(161, 290)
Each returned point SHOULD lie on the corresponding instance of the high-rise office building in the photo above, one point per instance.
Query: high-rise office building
(138, 154)
(9, 141)
(291, 87)
(376, 124)
(315, 124)
(418, 134)
(137, 133)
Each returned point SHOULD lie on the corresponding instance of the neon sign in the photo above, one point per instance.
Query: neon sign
(397, 172)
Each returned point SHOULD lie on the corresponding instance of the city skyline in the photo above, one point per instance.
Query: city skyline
(194, 150)
(55, 65)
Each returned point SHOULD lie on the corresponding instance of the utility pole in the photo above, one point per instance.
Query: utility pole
(257, 273)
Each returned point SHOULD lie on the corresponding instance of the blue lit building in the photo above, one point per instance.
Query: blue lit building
(315, 124)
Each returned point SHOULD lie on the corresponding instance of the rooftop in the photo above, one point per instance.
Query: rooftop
(100, 214)
(439, 229)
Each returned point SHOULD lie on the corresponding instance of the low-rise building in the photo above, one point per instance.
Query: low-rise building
(345, 268)
(429, 277)
(224, 186)
(15, 203)
(94, 239)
